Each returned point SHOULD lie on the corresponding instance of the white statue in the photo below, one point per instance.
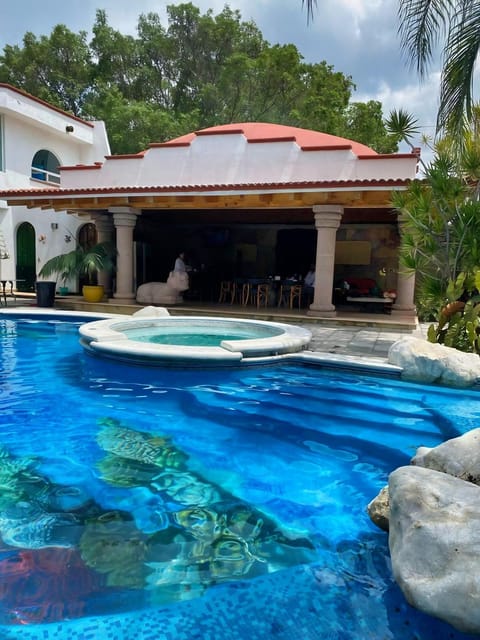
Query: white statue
(169, 292)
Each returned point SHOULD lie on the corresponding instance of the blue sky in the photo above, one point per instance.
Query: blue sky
(357, 37)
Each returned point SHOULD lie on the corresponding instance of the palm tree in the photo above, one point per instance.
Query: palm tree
(425, 23)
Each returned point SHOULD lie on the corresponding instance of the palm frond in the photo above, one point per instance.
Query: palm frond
(460, 54)
(402, 124)
(310, 4)
(422, 23)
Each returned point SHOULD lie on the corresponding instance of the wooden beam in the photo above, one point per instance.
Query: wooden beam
(246, 200)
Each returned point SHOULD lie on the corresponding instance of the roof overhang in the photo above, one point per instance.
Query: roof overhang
(359, 194)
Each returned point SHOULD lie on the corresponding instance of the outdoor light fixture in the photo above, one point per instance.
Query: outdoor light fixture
(54, 225)
(69, 128)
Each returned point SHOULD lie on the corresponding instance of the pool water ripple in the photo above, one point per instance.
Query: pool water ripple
(242, 492)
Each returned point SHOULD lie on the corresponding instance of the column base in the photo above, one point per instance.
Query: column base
(123, 298)
(322, 311)
(405, 310)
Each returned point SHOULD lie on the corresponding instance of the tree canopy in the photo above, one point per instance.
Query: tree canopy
(198, 70)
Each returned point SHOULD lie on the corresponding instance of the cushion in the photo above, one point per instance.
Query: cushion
(362, 286)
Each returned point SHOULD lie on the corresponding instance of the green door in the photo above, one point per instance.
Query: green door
(26, 257)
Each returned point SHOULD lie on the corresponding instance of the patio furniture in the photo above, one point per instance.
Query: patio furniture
(290, 294)
(372, 303)
(263, 294)
(226, 290)
(238, 291)
(256, 291)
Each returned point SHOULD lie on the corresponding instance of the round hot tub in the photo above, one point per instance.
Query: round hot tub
(190, 340)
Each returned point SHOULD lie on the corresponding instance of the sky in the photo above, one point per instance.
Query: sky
(356, 37)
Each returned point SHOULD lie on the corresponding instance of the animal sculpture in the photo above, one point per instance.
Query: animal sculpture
(169, 292)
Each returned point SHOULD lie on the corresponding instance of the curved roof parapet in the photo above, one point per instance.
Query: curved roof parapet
(245, 153)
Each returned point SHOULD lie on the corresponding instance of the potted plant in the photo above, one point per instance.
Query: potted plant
(83, 263)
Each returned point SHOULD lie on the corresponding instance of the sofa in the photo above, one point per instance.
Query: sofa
(362, 287)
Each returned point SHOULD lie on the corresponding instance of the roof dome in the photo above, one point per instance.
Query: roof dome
(268, 132)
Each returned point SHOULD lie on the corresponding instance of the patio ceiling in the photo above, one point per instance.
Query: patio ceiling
(208, 198)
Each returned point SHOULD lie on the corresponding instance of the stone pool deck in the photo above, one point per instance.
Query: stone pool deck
(364, 342)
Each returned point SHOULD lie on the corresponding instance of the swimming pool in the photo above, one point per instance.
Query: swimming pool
(158, 504)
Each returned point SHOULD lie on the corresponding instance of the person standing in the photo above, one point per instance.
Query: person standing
(180, 264)
(309, 285)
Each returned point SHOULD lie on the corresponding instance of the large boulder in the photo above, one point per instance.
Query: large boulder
(459, 457)
(424, 361)
(434, 544)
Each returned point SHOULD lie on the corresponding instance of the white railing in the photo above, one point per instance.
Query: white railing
(44, 175)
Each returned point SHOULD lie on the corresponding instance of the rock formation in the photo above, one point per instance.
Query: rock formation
(424, 361)
(431, 510)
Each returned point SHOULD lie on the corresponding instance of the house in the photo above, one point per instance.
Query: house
(246, 200)
(36, 138)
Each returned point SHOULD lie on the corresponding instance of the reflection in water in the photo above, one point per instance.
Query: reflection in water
(205, 535)
(187, 535)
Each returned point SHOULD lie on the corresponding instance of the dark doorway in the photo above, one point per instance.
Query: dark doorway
(26, 258)
(295, 251)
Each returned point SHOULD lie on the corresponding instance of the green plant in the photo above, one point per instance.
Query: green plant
(80, 262)
(458, 323)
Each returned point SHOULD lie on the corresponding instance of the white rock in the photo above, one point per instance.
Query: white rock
(424, 361)
(434, 541)
(459, 457)
(149, 312)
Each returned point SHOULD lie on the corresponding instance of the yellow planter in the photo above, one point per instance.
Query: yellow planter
(93, 293)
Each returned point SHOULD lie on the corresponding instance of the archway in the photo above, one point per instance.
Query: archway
(25, 267)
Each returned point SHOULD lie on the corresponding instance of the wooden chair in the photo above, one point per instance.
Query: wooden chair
(290, 293)
(263, 294)
(296, 293)
(237, 291)
(225, 291)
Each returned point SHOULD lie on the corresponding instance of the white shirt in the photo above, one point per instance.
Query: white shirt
(310, 279)
(180, 265)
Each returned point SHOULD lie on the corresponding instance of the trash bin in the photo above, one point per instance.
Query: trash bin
(45, 293)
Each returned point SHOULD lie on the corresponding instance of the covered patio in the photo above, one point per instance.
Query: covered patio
(249, 200)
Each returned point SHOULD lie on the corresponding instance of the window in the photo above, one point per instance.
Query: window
(45, 166)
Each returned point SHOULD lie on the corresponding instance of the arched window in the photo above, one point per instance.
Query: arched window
(45, 166)
(87, 236)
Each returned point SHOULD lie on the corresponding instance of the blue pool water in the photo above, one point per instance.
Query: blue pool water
(154, 504)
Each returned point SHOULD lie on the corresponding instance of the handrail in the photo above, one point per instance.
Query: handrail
(44, 175)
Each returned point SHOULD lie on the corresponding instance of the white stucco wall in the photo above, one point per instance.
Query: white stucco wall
(29, 126)
(231, 159)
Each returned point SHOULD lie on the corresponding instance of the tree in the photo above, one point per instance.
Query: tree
(440, 238)
(57, 69)
(199, 70)
(365, 123)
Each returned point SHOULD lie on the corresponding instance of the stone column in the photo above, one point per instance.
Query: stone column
(105, 233)
(404, 304)
(327, 221)
(124, 219)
